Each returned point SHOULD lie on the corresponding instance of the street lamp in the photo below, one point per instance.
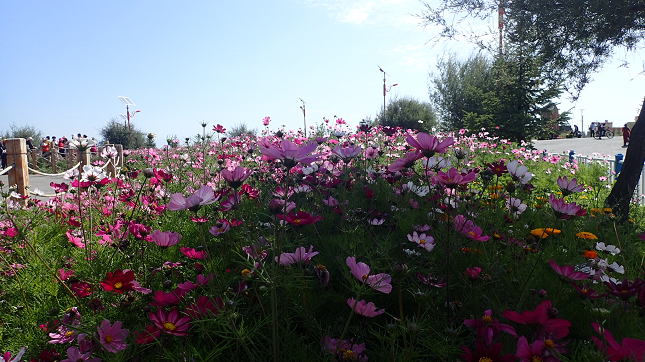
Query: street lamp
(385, 88)
(304, 117)
(128, 115)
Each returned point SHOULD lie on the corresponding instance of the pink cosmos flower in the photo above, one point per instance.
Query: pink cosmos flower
(347, 153)
(166, 238)
(6, 357)
(220, 227)
(540, 319)
(171, 323)
(405, 162)
(204, 196)
(300, 255)
(473, 273)
(289, 152)
(112, 336)
(164, 299)
(515, 206)
(219, 128)
(75, 355)
(300, 218)
(148, 335)
(428, 144)
(192, 253)
(423, 240)
(489, 328)
(205, 307)
(347, 350)
(569, 187)
(519, 172)
(563, 210)
(236, 177)
(532, 352)
(81, 289)
(380, 282)
(482, 354)
(454, 178)
(363, 308)
(632, 349)
(266, 121)
(568, 271)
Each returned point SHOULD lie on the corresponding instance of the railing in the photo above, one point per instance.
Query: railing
(19, 169)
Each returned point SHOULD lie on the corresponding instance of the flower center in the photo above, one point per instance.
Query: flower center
(109, 338)
(364, 277)
(471, 233)
(485, 359)
(549, 344)
(118, 285)
(69, 334)
(297, 221)
(422, 241)
(487, 319)
(536, 359)
(169, 326)
(585, 291)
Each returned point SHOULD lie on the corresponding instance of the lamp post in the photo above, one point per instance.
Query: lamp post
(128, 115)
(385, 88)
(304, 116)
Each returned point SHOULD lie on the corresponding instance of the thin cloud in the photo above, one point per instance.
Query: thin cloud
(361, 12)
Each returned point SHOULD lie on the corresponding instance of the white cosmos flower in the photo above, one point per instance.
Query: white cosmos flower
(109, 152)
(70, 174)
(609, 248)
(617, 268)
(520, 172)
(92, 173)
(420, 191)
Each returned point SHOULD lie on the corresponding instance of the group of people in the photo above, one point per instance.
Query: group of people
(61, 143)
(599, 129)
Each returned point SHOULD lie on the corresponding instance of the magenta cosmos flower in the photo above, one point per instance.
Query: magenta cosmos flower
(165, 238)
(539, 318)
(568, 271)
(363, 308)
(454, 178)
(112, 336)
(482, 354)
(289, 153)
(346, 350)
(569, 187)
(563, 210)
(194, 254)
(300, 255)
(236, 177)
(361, 271)
(204, 196)
(428, 144)
(171, 323)
(423, 240)
(300, 218)
(632, 349)
(489, 328)
(75, 355)
(532, 352)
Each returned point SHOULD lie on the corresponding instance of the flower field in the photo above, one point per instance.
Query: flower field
(379, 244)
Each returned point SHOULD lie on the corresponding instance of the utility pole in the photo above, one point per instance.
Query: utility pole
(385, 88)
(304, 116)
(500, 22)
(583, 122)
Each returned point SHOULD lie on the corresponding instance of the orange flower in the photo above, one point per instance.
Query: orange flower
(587, 235)
(543, 233)
(590, 254)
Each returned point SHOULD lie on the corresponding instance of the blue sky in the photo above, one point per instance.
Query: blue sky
(63, 64)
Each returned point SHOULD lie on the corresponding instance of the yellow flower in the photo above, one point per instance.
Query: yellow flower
(607, 209)
(587, 235)
(543, 233)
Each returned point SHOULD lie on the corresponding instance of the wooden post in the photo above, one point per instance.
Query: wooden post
(71, 157)
(34, 158)
(111, 168)
(17, 157)
(84, 157)
(54, 158)
(119, 149)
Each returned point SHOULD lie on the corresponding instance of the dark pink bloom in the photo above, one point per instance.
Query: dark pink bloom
(165, 239)
(346, 350)
(428, 144)
(363, 308)
(490, 355)
(191, 253)
(361, 271)
(587, 292)
(300, 218)
(568, 271)
(632, 349)
(625, 289)
(532, 352)
(171, 323)
(539, 318)
(112, 336)
(164, 299)
(118, 282)
(220, 227)
(236, 177)
(347, 153)
(488, 328)
(205, 307)
(81, 289)
(148, 335)
(139, 231)
(473, 273)
(75, 355)
(59, 188)
(219, 129)
(454, 178)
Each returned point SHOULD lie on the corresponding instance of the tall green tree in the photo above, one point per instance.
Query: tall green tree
(116, 133)
(16, 131)
(573, 39)
(455, 85)
(408, 113)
